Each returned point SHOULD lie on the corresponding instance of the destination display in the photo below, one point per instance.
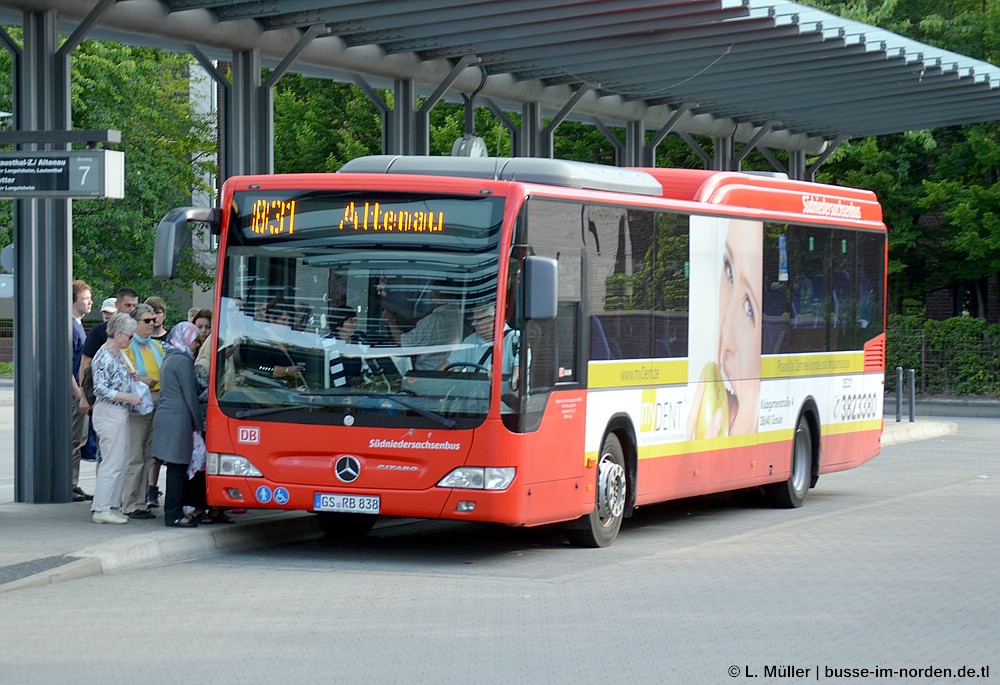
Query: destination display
(372, 216)
(272, 217)
(276, 217)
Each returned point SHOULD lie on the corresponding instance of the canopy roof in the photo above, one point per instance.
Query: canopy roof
(708, 67)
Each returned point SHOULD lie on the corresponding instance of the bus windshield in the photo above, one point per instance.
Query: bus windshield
(359, 309)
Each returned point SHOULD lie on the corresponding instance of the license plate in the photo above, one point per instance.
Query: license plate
(356, 504)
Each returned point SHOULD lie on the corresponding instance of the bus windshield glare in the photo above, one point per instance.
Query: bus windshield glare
(365, 306)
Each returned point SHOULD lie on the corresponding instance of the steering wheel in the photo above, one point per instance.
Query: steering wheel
(467, 365)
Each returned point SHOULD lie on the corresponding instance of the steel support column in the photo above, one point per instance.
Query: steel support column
(43, 239)
(797, 165)
(635, 144)
(723, 158)
(248, 117)
(403, 132)
(531, 132)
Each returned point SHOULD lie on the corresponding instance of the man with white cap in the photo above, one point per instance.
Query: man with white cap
(109, 308)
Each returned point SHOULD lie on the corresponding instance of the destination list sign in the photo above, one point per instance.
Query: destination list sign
(73, 173)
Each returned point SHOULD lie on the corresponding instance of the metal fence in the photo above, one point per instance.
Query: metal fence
(6, 340)
(944, 366)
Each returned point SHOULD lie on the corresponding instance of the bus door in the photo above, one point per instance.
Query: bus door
(552, 401)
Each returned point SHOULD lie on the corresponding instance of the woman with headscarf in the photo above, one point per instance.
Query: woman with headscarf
(202, 364)
(175, 422)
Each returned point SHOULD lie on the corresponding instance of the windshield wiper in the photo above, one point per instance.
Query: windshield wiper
(262, 411)
(426, 413)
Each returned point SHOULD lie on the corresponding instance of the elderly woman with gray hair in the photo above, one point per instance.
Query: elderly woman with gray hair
(113, 390)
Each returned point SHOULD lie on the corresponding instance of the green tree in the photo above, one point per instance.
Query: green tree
(939, 189)
(168, 149)
(319, 124)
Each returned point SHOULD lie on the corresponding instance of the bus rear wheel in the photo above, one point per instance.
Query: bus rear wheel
(345, 527)
(600, 527)
(792, 493)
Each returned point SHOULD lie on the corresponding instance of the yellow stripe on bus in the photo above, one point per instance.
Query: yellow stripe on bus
(637, 374)
(852, 427)
(650, 372)
(674, 449)
(820, 364)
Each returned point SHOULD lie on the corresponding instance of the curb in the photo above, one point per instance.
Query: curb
(80, 568)
(172, 546)
(922, 430)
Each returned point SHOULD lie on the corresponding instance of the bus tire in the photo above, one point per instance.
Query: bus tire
(791, 493)
(345, 527)
(600, 527)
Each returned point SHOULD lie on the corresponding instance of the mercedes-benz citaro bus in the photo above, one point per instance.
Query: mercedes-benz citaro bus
(533, 341)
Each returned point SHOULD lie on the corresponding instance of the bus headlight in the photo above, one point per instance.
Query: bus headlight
(479, 478)
(230, 465)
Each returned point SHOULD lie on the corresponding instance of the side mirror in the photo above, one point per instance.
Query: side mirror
(171, 234)
(541, 288)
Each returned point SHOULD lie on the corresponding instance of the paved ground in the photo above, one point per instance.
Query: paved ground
(46, 543)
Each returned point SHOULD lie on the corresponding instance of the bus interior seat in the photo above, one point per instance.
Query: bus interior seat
(599, 347)
(662, 348)
(616, 348)
(774, 323)
(839, 295)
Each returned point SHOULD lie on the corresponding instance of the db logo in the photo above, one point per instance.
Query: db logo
(248, 435)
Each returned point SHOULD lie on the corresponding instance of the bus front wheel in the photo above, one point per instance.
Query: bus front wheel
(791, 493)
(600, 527)
(344, 527)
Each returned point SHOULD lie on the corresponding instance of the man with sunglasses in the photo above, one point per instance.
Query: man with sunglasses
(145, 355)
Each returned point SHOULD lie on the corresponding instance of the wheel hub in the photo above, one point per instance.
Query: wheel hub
(610, 489)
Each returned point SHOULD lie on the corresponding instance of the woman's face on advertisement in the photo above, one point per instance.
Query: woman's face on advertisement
(740, 324)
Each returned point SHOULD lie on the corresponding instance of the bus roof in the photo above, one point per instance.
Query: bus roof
(553, 172)
(769, 192)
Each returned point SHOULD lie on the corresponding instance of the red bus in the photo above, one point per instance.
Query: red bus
(535, 341)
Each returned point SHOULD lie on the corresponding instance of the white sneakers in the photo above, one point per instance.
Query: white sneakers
(109, 516)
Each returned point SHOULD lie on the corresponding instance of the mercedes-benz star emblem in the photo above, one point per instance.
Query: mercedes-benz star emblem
(348, 468)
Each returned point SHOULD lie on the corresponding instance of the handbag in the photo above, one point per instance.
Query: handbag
(141, 389)
(88, 385)
(198, 455)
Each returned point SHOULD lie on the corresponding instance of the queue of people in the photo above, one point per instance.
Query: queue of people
(127, 356)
